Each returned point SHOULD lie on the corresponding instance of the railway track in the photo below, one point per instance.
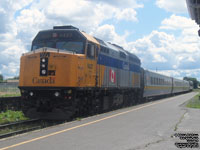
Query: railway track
(11, 103)
(20, 127)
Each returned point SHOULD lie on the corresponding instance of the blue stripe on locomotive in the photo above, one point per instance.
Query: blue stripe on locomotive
(116, 63)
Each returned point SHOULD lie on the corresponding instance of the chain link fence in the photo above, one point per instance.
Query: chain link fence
(9, 89)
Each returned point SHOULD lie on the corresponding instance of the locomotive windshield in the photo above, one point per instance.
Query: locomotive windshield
(62, 45)
(69, 41)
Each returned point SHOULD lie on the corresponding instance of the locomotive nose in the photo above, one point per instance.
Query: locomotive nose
(51, 69)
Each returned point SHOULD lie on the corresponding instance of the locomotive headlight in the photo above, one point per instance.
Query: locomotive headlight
(43, 71)
(43, 60)
(43, 65)
(56, 94)
(31, 93)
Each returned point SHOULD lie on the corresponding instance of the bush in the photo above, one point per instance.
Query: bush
(1, 78)
(11, 116)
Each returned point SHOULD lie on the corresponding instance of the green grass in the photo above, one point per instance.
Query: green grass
(9, 92)
(195, 101)
(78, 119)
(196, 90)
(11, 116)
(10, 95)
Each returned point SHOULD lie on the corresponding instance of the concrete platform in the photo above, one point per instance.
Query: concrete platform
(148, 126)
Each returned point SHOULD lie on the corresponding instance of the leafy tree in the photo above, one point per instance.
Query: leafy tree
(194, 80)
(1, 77)
(16, 78)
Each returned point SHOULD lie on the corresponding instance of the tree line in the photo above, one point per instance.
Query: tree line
(2, 78)
(196, 83)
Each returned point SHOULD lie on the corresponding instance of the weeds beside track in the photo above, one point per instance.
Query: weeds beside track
(10, 103)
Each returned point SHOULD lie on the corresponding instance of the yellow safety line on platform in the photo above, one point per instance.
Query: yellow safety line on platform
(86, 124)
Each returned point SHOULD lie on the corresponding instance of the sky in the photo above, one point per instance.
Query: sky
(159, 32)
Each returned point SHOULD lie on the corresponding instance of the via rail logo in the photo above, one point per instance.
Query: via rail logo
(112, 76)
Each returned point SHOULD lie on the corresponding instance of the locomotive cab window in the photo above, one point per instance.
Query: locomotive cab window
(60, 40)
(73, 46)
(43, 44)
(91, 51)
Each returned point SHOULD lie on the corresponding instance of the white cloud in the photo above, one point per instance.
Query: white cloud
(127, 14)
(154, 50)
(10, 69)
(28, 24)
(75, 11)
(178, 23)
(11, 47)
(159, 58)
(180, 74)
(166, 51)
(122, 4)
(14, 4)
(88, 15)
(10, 57)
(7, 11)
(108, 33)
(22, 19)
(191, 59)
(175, 6)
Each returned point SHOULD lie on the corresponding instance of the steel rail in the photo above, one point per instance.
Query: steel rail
(19, 123)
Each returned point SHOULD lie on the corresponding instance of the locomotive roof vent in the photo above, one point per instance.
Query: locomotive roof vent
(65, 27)
(117, 46)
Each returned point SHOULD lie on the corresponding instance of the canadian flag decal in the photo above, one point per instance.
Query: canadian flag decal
(112, 76)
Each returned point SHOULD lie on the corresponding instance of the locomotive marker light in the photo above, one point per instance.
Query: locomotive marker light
(43, 66)
(43, 60)
(43, 72)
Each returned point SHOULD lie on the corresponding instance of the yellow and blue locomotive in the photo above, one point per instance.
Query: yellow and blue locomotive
(68, 72)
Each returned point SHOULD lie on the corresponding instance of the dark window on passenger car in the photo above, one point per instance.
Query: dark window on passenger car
(151, 80)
